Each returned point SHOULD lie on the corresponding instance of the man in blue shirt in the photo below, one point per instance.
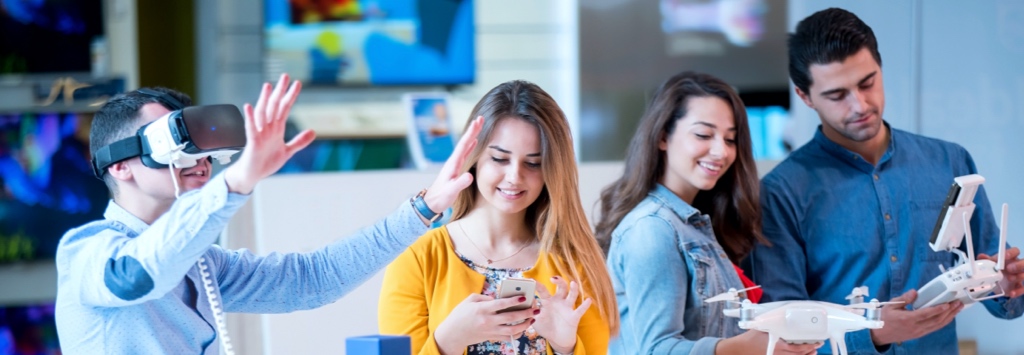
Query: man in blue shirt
(131, 284)
(857, 204)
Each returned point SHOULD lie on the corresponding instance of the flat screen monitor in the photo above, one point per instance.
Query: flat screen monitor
(370, 42)
(48, 37)
(768, 132)
(28, 330)
(629, 47)
(46, 184)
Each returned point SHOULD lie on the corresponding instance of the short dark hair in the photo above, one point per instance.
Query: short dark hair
(825, 37)
(118, 119)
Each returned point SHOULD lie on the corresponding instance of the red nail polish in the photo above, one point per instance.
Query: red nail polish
(532, 321)
(536, 312)
(522, 299)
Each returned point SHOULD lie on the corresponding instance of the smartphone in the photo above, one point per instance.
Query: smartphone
(515, 287)
(951, 200)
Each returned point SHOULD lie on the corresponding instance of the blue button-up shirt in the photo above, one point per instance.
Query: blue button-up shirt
(664, 262)
(837, 222)
(125, 287)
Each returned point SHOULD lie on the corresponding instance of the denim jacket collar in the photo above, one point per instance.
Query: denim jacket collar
(849, 156)
(685, 212)
(117, 213)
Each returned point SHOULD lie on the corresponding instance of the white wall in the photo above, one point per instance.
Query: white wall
(953, 71)
(971, 85)
(332, 206)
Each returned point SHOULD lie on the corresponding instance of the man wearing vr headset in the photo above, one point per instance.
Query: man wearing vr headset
(133, 283)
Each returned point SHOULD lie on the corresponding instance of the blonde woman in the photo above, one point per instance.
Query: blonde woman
(521, 218)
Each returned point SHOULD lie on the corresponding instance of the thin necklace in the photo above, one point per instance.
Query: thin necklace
(489, 260)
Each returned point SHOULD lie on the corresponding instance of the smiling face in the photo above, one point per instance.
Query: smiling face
(701, 148)
(849, 98)
(508, 172)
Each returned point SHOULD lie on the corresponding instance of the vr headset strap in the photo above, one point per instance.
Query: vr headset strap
(115, 152)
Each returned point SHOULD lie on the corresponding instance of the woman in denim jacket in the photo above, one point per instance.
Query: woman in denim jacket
(678, 220)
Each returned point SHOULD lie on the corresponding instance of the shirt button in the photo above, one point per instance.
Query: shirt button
(887, 217)
(876, 177)
(893, 258)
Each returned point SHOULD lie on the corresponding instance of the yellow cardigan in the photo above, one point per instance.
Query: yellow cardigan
(428, 280)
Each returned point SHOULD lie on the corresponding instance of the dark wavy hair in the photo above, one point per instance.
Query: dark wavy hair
(733, 204)
(827, 36)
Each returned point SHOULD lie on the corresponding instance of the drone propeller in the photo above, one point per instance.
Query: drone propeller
(858, 294)
(731, 295)
(874, 304)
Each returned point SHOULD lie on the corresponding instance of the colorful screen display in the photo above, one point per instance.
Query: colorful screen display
(46, 185)
(430, 135)
(28, 330)
(370, 42)
(43, 36)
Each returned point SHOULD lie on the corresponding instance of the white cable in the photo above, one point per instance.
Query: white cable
(204, 273)
(218, 313)
(175, 155)
(174, 178)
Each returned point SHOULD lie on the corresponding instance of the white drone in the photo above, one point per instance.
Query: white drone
(805, 322)
(970, 280)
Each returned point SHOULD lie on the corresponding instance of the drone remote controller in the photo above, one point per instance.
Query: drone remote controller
(971, 280)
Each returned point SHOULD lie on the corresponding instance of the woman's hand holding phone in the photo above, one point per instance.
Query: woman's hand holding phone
(559, 315)
(476, 319)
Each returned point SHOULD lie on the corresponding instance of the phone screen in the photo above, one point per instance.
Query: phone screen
(951, 200)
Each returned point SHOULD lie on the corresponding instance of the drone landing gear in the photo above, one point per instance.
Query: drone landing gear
(839, 343)
(772, 340)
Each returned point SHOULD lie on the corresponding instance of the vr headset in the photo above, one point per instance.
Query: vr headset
(180, 138)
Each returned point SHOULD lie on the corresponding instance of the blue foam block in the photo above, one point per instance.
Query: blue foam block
(378, 345)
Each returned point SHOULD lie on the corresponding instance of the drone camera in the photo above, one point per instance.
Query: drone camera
(813, 322)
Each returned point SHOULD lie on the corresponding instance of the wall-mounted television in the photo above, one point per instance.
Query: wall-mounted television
(46, 184)
(28, 330)
(370, 42)
(629, 47)
(49, 36)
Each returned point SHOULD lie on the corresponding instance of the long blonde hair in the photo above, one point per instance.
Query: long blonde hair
(557, 214)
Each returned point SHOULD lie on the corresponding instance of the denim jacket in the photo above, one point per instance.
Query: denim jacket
(664, 262)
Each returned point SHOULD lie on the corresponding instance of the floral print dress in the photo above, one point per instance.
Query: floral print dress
(528, 343)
